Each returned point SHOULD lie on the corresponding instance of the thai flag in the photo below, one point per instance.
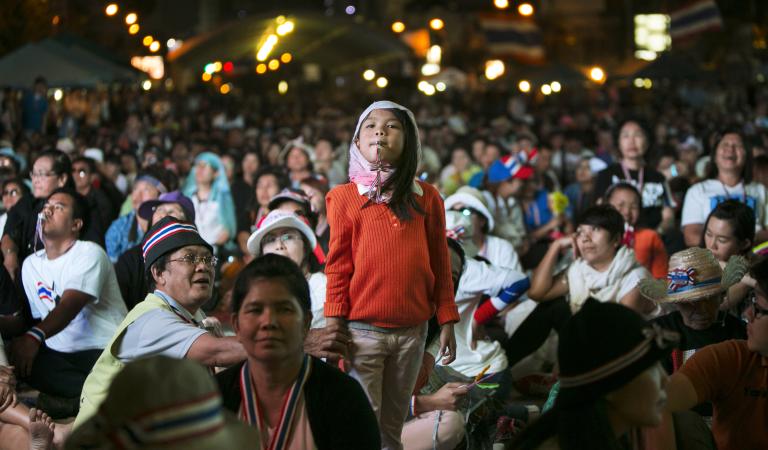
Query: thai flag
(44, 292)
(696, 17)
(520, 39)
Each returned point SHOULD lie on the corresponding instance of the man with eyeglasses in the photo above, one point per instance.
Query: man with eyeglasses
(180, 272)
(74, 298)
(733, 375)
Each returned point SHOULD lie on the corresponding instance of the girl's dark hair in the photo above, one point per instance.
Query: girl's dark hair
(586, 427)
(60, 165)
(740, 216)
(401, 183)
(746, 171)
(603, 216)
(456, 247)
(622, 185)
(275, 268)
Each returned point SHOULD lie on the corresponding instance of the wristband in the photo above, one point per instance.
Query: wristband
(36, 334)
(412, 406)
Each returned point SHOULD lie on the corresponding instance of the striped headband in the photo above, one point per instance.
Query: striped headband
(154, 182)
(653, 334)
(170, 424)
(164, 233)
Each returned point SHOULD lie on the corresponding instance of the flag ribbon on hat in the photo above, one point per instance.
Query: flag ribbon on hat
(680, 278)
(456, 233)
(250, 413)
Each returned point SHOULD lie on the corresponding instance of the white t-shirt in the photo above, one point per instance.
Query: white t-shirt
(317, 282)
(501, 253)
(702, 198)
(479, 278)
(208, 220)
(86, 268)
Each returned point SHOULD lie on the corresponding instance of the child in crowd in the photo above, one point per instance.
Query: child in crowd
(388, 269)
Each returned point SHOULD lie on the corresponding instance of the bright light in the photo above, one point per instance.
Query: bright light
(440, 86)
(382, 82)
(152, 65)
(228, 66)
(146, 85)
(285, 28)
(206, 76)
(423, 85)
(646, 55)
(273, 64)
(555, 86)
(494, 69)
(501, 4)
(282, 87)
(267, 47)
(651, 35)
(429, 89)
(524, 86)
(436, 24)
(58, 94)
(261, 68)
(647, 83)
(217, 66)
(154, 46)
(369, 75)
(638, 82)
(209, 68)
(111, 9)
(170, 43)
(133, 29)
(398, 27)
(430, 69)
(546, 89)
(597, 74)
(525, 9)
(286, 58)
(225, 88)
(349, 10)
(131, 18)
(434, 54)
(280, 20)
(147, 40)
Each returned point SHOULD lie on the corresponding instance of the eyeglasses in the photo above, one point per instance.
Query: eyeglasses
(288, 236)
(82, 173)
(757, 312)
(467, 211)
(194, 260)
(42, 174)
(11, 192)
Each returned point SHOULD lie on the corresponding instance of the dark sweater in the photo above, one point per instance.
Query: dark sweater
(340, 415)
(131, 277)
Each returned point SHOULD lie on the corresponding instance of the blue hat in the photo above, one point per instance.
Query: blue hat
(508, 167)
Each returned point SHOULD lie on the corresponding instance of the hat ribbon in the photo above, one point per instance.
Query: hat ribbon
(680, 278)
(456, 233)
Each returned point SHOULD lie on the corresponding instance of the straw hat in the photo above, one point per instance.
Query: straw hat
(473, 198)
(163, 403)
(694, 274)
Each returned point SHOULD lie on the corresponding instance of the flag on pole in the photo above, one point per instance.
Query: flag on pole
(520, 39)
(698, 16)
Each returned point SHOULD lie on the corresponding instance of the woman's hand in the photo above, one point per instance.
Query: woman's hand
(447, 344)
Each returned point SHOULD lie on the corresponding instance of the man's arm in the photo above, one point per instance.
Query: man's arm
(681, 395)
(211, 351)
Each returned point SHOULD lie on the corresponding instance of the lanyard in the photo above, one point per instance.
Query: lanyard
(640, 176)
(728, 195)
(250, 413)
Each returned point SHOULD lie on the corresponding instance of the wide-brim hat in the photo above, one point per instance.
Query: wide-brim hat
(147, 209)
(167, 235)
(279, 219)
(473, 198)
(603, 347)
(459, 228)
(178, 407)
(694, 274)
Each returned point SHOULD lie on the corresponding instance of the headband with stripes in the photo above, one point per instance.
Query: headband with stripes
(163, 233)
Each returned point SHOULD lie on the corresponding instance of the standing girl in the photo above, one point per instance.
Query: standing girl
(388, 269)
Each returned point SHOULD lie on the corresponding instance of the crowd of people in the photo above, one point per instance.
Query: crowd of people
(311, 272)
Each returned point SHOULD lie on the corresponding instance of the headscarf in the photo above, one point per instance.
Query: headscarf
(373, 176)
(220, 192)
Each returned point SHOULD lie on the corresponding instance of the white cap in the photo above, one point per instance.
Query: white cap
(279, 219)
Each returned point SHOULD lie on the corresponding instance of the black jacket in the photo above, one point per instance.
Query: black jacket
(339, 413)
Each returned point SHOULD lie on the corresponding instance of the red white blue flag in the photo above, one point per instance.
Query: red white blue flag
(698, 16)
(520, 39)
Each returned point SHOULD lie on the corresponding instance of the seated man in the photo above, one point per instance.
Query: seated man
(72, 291)
(733, 375)
(169, 321)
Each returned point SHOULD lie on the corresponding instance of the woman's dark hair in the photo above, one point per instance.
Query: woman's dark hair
(603, 216)
(60, 165)
(276, 171)
(276, 268)
(746, 171)
(740, 216)
(622, 186)
(17, 181)
(401, 183)
(317, 183)
(87, 161)
(586, 427)
(80, 209)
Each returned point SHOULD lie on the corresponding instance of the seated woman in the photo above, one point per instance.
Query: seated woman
(612, 383)
(603, 269)
(648, 246)
(292, 399)
(285, 233)
(728, 231)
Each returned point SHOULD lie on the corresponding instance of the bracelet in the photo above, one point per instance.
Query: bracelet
(36, 334)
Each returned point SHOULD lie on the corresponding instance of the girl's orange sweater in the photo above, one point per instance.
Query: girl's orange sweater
(383, 271)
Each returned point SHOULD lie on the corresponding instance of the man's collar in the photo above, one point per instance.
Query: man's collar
(197, 317)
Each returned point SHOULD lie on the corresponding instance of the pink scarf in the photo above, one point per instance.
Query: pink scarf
(371, 177)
